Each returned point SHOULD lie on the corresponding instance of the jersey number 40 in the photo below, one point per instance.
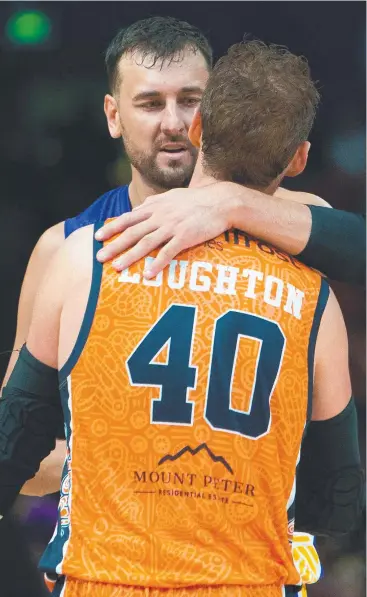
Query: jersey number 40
(175, 328)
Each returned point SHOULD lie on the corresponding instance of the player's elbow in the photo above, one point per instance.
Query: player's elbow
(42, 484)
(48, 478)
(333, 508)
(34, 487)
(330, 480)
(347, 501)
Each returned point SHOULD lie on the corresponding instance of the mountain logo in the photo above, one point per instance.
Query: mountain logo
(173, 457)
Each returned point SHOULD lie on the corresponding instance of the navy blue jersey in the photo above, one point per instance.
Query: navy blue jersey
(111, 204)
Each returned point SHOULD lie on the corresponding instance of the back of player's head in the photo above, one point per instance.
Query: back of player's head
(161, 38)
(258, 107)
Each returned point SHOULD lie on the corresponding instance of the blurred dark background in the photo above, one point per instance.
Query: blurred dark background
(57, 158)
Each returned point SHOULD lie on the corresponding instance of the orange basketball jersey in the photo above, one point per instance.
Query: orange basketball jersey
(186, 400)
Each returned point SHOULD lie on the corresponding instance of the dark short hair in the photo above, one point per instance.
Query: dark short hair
(162, 38)
(258, 106)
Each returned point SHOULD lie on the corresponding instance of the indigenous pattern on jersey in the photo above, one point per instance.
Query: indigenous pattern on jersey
(110, 205)
(78, 588)
(186, 400)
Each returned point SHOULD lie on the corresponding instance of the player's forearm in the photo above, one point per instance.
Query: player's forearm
(337, 245)
(48, 478)
(30, 417)
(280, 222)
(330, 481)
(331, 241)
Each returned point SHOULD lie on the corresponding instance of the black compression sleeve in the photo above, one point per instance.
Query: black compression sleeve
(34, 376)
(37, 378)
(337, 244)
(330, 482)
(30, 416)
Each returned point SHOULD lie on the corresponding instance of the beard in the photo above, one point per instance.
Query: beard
(171, 176)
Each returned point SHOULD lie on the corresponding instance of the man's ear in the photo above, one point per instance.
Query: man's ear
(112, 115)
(195, 129)
(299, 160)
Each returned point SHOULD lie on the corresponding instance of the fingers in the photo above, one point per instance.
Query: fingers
(120, 224)
(142, 248)
(129, 237)
(165, 256)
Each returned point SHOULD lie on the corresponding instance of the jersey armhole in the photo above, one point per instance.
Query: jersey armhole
(89, 311)
(320, 308)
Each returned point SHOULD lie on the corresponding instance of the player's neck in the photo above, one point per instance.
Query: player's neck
(140, 189)
(199, 177)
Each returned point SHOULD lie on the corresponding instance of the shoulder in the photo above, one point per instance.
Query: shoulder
(111, 204)
(51, 240)
(70, 265)
(77, 248)
(301, 197)
(44, 251)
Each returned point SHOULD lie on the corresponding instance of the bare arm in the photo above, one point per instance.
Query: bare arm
(30, 410)
(182, 218)
(43, 333)
(70, 264)
(330, 482)
(42, 254)
(283, 220)
(331, 241)
(47, 479)
(332, 386)
(69, 269)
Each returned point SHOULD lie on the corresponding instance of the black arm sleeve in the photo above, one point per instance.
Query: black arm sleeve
(30, 417)
(330, 482)
(337, 244)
